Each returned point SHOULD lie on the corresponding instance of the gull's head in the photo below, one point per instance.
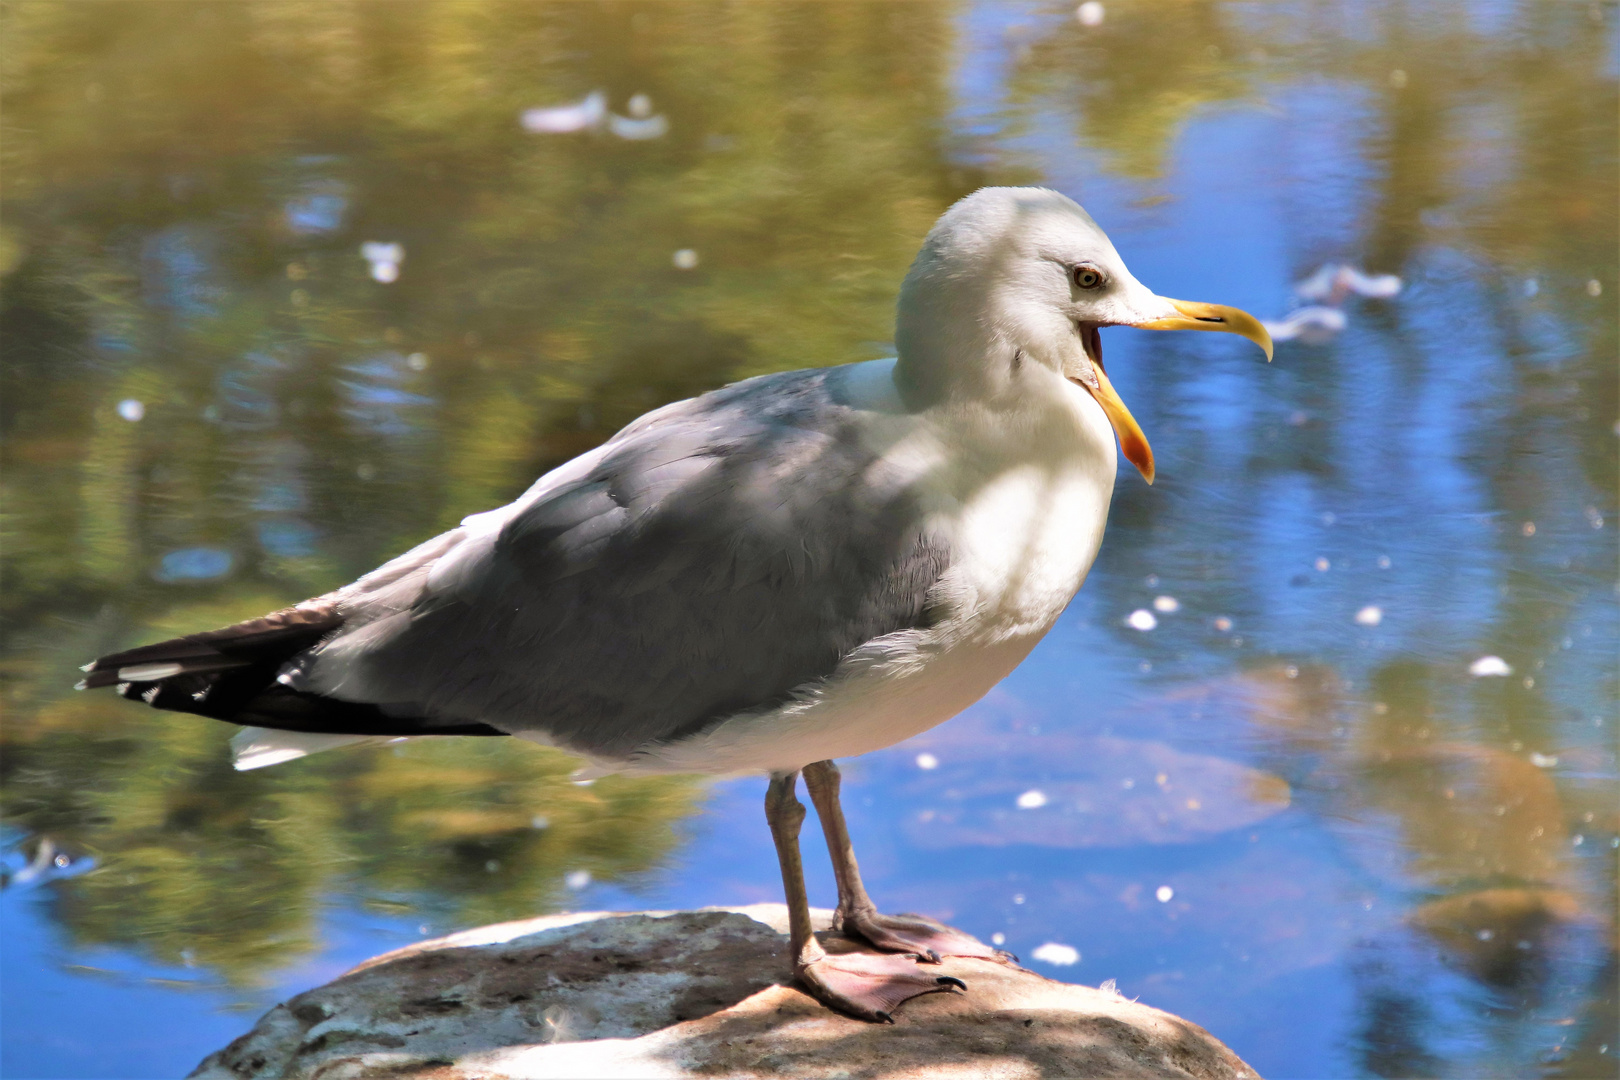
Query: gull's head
(1015, 276)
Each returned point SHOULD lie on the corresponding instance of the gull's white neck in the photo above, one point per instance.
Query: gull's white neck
(1019, 480)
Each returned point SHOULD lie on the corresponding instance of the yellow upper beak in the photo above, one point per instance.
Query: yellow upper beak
(1219, 317)
(1193, 316)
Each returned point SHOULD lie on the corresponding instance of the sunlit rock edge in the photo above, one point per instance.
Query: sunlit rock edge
(675, 994)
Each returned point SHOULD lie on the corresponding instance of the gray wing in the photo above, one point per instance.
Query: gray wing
(711, 558)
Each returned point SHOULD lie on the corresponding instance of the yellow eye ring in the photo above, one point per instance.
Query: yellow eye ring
(1088, 277)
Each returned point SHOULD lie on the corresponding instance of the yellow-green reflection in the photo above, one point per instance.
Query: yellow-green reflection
(164, 243)
(540, 310)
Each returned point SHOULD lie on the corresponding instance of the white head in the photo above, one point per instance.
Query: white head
(1010, 276)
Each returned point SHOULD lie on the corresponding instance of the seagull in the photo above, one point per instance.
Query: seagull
(791, 569)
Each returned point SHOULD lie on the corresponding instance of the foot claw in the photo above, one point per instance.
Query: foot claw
(951, 980)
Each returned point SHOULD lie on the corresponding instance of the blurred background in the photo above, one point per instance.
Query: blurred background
(1322, 757)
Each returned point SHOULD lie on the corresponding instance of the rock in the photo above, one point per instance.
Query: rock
(690, 993)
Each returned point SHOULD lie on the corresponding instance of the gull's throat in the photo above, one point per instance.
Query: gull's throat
(1091, 344)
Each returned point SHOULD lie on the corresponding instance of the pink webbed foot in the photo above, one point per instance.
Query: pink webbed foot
(870, 986)
(918, 935)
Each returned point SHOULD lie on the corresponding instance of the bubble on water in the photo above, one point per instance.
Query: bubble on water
(578, 879)
(1322, 565)
(998, 938)
(1485, 935)
(417, 361)
(1594, 287)
(1222, 623)
(1543, 761)
(1371, 615)
(685, 259)
(1057, 955)
(640, 106)
(1531, 286)
(492, 865)
(1397, 79)
(1528, 528)
(1141, 619)
(132, 410)
(1018, 898)
(1166, 604)
(927, 761)
(366, 471)
(1033, 799)
(1487, 666)
(539, 821)
(384, 259)
(1164, 894)
(1090, 13)
(1384, 562)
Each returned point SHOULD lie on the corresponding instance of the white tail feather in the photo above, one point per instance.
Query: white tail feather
(258, 748)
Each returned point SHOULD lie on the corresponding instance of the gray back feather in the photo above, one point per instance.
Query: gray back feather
(714, 556)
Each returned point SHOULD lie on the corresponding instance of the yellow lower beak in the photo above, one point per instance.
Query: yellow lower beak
(1219, 317)
(1132, 443)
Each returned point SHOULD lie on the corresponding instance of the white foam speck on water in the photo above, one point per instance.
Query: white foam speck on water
(1059, 955)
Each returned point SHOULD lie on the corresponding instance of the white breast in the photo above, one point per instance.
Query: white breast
(1024, 511)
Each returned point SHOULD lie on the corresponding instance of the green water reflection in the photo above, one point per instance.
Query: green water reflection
(183, 219)
(187, 189)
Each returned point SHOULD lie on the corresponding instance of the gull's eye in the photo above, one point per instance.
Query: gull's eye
(1088, 277)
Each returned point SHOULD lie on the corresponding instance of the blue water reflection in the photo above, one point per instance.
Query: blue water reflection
(1260, 774)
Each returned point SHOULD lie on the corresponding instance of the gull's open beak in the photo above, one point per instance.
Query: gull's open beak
(1132, 443)
(1190, 316)
(1227, 320)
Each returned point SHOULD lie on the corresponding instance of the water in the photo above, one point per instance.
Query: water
(1300, 823)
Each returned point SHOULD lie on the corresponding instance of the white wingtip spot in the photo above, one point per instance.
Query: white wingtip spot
(148, 672)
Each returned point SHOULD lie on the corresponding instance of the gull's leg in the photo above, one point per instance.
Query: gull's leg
(860, 984)
(922, 937)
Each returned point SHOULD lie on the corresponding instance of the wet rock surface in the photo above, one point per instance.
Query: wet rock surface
(693, 993)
